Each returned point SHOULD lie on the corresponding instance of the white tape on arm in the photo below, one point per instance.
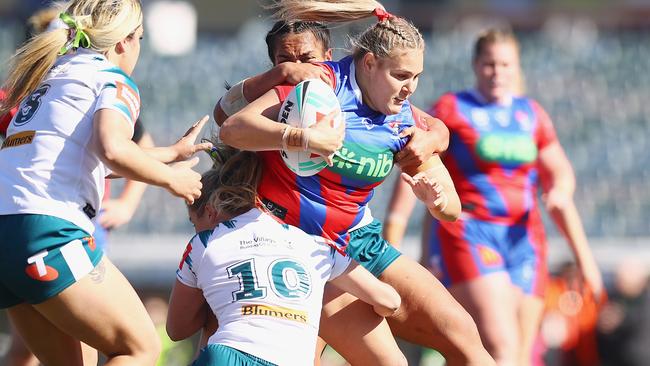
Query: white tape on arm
(234, 101)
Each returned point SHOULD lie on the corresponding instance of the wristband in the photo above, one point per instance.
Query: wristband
(234, 101)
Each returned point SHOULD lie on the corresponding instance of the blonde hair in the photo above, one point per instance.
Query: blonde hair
(230, 187)
(40, 21)
(500, 35)
(106, 22)
(381, 38)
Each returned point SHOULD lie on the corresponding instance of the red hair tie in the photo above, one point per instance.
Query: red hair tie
(381, 14)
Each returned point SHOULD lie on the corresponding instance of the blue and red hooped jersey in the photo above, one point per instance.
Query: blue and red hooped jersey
(334, 201)
(492, 153)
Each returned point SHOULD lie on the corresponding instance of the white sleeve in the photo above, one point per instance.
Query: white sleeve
(189, 265)
(339, 261)
(120, 94)
(340, 264)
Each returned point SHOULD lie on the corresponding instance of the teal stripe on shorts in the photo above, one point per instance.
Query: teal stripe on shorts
(40, 256)
(370, 249)
(221, 355)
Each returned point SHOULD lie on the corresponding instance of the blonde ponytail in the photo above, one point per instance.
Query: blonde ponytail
(324, 10)
(30, 64)
(382, 38)
(106, 22)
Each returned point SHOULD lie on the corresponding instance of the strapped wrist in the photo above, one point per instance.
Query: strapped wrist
(295, 139)
(234, 100)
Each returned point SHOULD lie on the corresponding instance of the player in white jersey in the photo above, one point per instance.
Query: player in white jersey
(77, 105)
(263, 280)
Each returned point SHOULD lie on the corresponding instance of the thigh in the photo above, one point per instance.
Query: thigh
(493, 302)
(103, 311)
(46, 341)
(356, 332)
(430, 316)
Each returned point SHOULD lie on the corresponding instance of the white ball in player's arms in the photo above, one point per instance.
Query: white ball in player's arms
(307, 103)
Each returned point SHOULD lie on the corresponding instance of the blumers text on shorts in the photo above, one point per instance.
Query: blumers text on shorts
(40, 256)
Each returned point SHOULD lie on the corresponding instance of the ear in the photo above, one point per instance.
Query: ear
(328, 55)
(212, 214)
(369, 61)
(120, 47)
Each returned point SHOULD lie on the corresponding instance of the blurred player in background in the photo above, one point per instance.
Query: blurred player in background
(494, 258)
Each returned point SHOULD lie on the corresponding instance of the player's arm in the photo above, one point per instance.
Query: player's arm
(187, 311)
(184, 148)
(429, 135)
(433, 186)
(362, 284)
(558, 185)
(119, 211)
(400, 208)
(239, 95)
(254, 128)
(114, 147)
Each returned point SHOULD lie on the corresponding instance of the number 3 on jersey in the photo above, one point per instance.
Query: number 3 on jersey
(288, 279)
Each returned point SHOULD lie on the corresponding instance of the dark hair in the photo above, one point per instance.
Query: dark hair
(282, 28)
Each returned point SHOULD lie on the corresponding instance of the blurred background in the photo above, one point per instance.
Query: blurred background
(586, 61)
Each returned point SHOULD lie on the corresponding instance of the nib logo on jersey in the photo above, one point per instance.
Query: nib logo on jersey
(363, 162)
(507, 148)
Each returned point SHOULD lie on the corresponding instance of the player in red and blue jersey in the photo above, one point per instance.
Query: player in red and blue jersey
(502, 147)
(373, 87)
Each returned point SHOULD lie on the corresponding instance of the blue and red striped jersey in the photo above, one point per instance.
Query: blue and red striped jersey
(335, 200)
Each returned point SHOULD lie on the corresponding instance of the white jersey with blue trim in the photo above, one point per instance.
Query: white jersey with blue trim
(47, 161)
(264, 282)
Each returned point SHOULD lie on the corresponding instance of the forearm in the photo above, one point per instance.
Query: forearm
(451, 209)
(398, 212)
(128, 160)
(133, 190)
(163, 154)
(568, 221)
(258, 85)
(384, 300)
(252, 132)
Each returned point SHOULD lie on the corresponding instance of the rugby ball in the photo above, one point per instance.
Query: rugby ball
(307, 103)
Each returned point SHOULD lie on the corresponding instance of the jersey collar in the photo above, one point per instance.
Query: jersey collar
(479, 98)
(354, 84)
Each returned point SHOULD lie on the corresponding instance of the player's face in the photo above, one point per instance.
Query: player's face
(131, 50)
(391, 80)
(300, 47)
(496, 70)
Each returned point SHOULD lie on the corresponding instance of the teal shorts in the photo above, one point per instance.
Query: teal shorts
(370, 249)
(220, 355)
(40, 256)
